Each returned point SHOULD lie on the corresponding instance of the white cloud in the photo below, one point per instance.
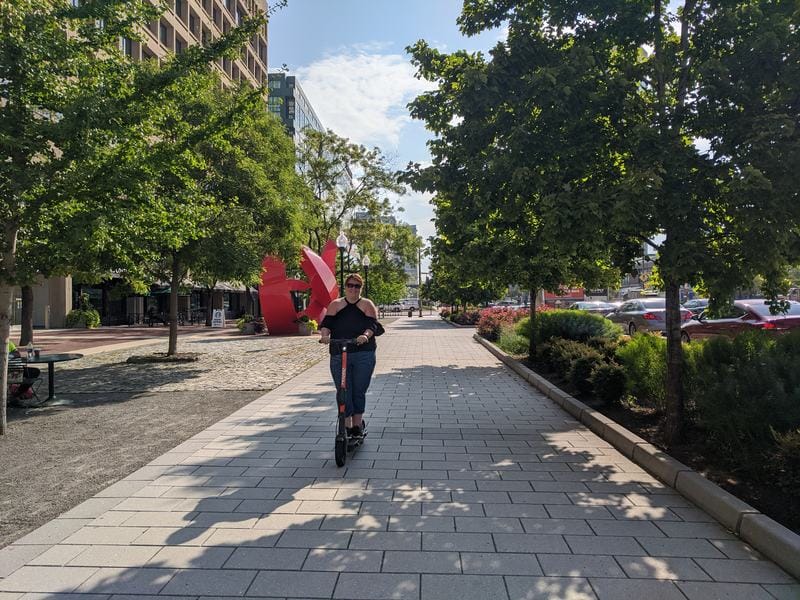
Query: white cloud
(502, 33)
(362, 94)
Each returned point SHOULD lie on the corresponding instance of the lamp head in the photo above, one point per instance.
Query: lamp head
(365, 260)
(341, 241)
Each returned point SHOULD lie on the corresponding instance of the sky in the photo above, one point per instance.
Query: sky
(350, 59)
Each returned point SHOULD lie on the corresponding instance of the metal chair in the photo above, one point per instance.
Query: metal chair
(20, 380)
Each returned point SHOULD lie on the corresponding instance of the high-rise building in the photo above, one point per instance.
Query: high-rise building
(288, 101)
(189, 22)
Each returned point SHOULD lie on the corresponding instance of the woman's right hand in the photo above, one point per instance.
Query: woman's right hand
(325, 339)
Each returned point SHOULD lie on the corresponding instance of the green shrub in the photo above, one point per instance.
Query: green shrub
(465, 317)
(573, 325)
(493, 319)
(747, 390)
(789, 446)
(608, 382)
(605, 346)
(644, 358)
(511, 342)
(85, 316)
(562, 353)
(581, 369)
(83, 319)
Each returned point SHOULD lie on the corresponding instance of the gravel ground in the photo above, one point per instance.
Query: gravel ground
(125, 415)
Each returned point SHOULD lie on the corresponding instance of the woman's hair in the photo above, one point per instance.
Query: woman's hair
(354, 277)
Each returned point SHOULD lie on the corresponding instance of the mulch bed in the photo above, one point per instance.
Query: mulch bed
(773, 493)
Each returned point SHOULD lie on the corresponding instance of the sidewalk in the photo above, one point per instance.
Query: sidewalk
(470, 485)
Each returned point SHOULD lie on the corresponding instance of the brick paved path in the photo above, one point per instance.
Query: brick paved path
(471, 486)
(225, 363)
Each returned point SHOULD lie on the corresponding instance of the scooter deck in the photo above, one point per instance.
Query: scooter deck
(352, 444)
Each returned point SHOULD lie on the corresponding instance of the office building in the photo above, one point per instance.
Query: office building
(189, 22)
(288, 101)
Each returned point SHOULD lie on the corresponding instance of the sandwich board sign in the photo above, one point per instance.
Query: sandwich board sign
(218, 318)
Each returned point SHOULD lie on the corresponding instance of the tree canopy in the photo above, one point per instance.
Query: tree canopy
(595, 126)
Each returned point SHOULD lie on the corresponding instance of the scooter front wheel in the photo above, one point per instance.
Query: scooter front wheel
(340, 451)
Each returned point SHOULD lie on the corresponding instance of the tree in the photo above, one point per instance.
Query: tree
(508, 169)
(71, 104)
(391, 246)
(453, 284)
(342, 178)
(220, 193)
(638, 89)
(50, 91)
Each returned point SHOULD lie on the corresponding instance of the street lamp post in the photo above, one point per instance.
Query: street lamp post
(365, 262)
(419, 280)
(341, 243)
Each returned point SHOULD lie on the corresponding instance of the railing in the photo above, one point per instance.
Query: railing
(192, 317)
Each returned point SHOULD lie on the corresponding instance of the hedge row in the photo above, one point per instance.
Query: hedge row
(744, 393)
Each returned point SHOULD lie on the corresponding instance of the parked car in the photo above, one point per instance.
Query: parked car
(744, 315)
(644, 314)
(592, 306)
(393, 307)
(696, 305)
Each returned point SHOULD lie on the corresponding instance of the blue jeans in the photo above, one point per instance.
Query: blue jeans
(360, 366)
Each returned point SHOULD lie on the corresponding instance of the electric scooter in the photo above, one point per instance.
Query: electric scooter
(344, 443)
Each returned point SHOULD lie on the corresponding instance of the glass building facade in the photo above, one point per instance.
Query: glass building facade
(288, 101)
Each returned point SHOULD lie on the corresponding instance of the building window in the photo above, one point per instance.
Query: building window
(163, 34)
(127, 46)
(193, 24)
(179, 7)
(180, 45)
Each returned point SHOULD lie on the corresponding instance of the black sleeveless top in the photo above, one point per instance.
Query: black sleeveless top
(351, 322)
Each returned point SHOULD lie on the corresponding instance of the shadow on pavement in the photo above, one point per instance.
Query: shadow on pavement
(510, 502)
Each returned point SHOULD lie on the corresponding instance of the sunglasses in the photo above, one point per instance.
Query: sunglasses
(354, 286)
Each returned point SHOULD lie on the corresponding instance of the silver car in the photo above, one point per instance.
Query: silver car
(592, 306)
(644, 314)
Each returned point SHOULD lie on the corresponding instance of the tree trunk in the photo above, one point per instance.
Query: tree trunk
(173, 305)
(26, 328)
(532, 340)
(209, 305)
(6, 310)
(673, 428)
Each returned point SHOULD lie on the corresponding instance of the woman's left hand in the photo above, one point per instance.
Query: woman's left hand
(362, 339)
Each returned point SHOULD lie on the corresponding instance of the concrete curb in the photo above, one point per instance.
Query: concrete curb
(764, 534)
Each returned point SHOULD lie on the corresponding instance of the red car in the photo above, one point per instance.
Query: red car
(744, 315)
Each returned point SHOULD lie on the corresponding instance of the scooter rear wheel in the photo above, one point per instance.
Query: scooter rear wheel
(340, 451)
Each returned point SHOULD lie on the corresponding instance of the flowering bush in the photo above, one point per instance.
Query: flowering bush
(492, 320)
(467, 317)
(445, 314)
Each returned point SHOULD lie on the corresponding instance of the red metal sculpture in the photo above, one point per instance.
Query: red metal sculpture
(274, 295)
